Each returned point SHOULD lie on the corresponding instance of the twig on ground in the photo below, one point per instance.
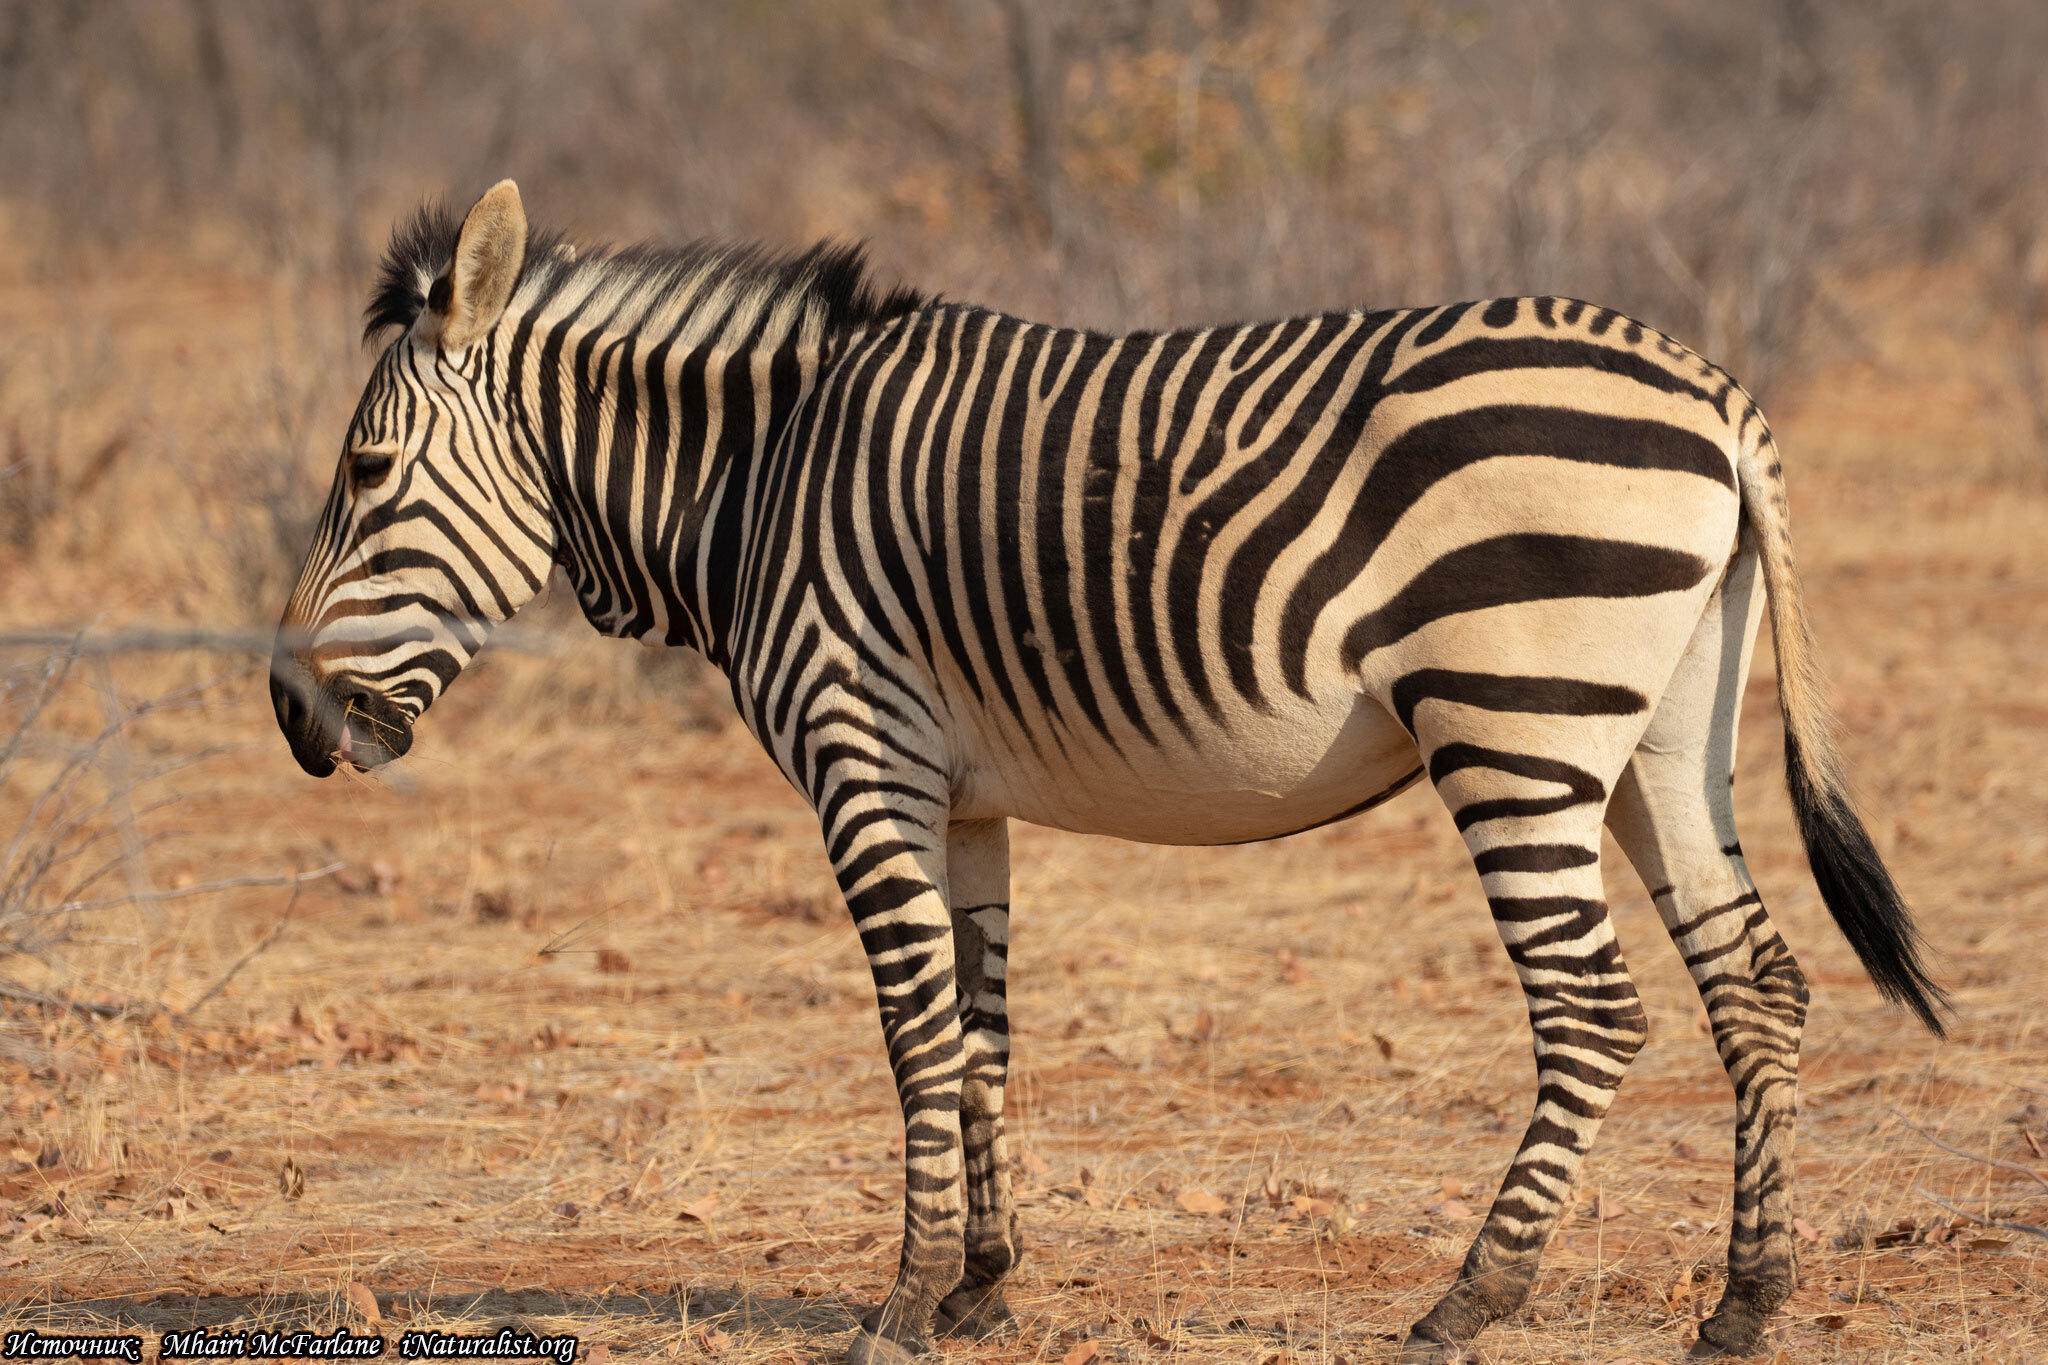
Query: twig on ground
(130, 1010)
(2026, 1171)
(559, 943)
(2028, 1228)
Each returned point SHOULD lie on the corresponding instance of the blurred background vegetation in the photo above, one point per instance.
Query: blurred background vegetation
(196, 192)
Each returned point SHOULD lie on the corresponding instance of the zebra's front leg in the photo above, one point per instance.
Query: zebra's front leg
(889, 857)
(978, 873)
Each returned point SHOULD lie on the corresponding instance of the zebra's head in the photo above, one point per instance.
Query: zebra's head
(437, 527)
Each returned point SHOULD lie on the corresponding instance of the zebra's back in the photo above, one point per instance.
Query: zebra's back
(1198, 567)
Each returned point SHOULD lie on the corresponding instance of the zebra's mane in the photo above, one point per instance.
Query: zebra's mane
(828, 281)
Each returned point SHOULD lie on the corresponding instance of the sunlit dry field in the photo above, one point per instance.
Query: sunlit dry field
(578, 1036)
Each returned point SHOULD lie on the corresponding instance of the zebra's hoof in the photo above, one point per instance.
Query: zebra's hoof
(869, 1349)
(1728, 1336)
(1422, 1350)
(978, 1314)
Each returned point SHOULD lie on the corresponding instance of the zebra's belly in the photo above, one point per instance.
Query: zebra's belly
(1253, 777)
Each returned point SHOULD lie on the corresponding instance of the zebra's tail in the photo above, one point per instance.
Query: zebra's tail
(1853, 881)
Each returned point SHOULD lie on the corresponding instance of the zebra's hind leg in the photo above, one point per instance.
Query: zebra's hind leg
(978, 875)
(1532, 824)
(1673, 814)
(890, 863)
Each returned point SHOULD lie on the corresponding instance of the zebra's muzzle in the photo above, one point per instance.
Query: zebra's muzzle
(328, 723)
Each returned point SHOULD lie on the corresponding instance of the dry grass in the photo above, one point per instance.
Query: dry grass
(488, 1133)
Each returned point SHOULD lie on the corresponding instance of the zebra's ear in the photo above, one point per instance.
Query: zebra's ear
(468, 300)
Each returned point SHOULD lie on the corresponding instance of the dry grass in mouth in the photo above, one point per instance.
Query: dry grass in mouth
(579, 1038)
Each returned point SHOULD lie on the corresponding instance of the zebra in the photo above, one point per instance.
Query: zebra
(1199, 586)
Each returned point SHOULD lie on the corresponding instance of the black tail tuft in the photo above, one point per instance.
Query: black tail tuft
(1861, 895)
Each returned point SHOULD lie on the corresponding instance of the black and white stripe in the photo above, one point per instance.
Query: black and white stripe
(1187, 587)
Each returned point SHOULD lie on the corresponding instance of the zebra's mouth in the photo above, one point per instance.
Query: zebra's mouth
(330, 724)
(367, 738)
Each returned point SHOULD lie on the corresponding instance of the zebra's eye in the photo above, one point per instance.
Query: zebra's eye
(367, 468)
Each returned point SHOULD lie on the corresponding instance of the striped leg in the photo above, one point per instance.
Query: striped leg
(1674, 816)
(1533, 826)
(891, 866)
(978, 870)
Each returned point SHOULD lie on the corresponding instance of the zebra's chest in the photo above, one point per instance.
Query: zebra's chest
(1244, 777)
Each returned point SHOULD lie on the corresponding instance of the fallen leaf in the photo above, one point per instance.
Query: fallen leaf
(1806, 1230)
(1157, 1342)
(1684, 1150)
(612, 962)
(291, 1181)
(712, 1340)
(868, 1191)
(1201, 1201)
(597, 1355)
(1385, 1045)
(1832, 1322)
(2033, 1143)
(866, 1240)
(1605, 1210)
(1453, 1188)
(1309, 1207)
(699, 1210)
(567, 1209)
(1989, 1244)
(363, 1301)
(1457, 1208)
(1033, 1162)
(1081, 1354)
(501, 1092)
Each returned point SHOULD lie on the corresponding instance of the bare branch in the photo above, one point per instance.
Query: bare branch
(298, 884)
(171, 640)
(2026, 1171)
(1968, 1217)
(292, 879)
(133, 1010)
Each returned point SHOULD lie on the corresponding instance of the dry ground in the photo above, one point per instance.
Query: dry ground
(672, 1134)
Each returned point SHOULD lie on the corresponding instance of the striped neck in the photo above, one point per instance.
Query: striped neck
(648, 389)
